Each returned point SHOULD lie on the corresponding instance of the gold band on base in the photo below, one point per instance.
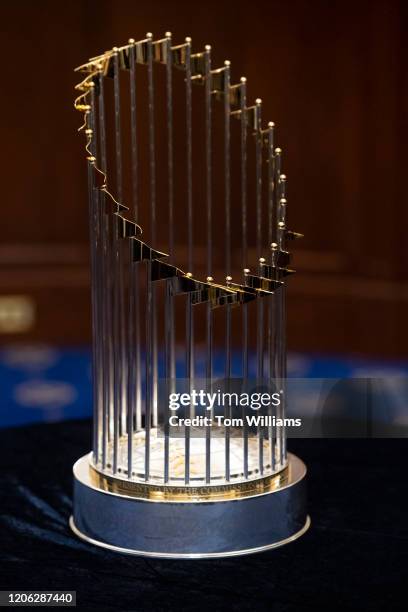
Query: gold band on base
(192, 528)
(154, 492)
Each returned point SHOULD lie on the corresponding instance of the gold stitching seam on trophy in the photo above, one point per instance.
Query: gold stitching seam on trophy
(99, 66)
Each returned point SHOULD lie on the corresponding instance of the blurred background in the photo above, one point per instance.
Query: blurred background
(332, 76)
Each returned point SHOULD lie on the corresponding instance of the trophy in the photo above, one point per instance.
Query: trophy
(173, 147)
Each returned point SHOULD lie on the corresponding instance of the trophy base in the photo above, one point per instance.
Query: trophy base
(240, 525)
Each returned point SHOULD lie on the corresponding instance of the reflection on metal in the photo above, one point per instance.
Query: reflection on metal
(132, 442)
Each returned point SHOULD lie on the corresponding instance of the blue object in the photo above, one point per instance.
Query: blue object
(45, 383)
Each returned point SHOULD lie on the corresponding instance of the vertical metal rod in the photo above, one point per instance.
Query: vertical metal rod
(91, 189)
(118, 140)
(169, 101)
(208, 148)
(133, 295)
(151, 329)
(208, 155)
(152, 164)
(260, 334)
(93, 237)
(98, 279)
(244, 172)
(274, 325)
(131, 395)
(245, 382)
(133, 127)
(227, 407)
(189, 151)
(271, 299)
(258, 163)
(101, 372)
(189, 376)
(99, 219)
(118, 278)
(271, 177)
(227, 164)
(122, 352)
(260, 366)
(209, 369)
(244, 260)
(135, 376)
(149, 368)
(105, 220)
(227, 198)
(276, 336)
(277, 171)
(260, 304)
(282, 312)
(169, 311)
(171, 190)
(190, 238)
(168, 339)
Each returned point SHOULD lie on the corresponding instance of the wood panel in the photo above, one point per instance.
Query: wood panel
(332, 75)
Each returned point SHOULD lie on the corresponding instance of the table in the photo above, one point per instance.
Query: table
(355, 555)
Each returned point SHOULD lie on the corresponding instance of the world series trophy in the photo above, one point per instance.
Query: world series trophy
(156, 484)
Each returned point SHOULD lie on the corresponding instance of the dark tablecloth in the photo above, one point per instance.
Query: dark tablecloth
(354, 557)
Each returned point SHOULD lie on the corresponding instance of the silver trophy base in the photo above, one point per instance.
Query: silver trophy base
(190, 529)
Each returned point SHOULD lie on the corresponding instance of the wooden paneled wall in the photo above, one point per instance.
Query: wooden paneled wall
(333, 77)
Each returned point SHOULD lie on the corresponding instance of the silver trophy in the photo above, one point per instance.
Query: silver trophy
(199, 488)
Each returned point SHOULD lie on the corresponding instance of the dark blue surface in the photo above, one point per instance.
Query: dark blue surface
(353, 558)
(46, 383)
